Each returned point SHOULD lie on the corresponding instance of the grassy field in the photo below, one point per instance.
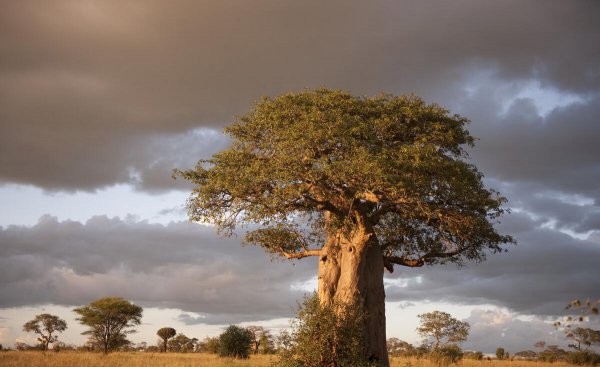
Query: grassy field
(136, 359)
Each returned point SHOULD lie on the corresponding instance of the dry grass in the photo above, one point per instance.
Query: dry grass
(414, 362)
(126, 359)
(136, 359)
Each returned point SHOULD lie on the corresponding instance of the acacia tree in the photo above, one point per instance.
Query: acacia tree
(362, 183)
(109, 320)
(165, 334)
(585, 336)
(45, 325)
(443, 328)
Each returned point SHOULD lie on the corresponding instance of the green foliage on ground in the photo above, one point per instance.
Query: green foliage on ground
(325, 336)
(446, 355)
(584, 357)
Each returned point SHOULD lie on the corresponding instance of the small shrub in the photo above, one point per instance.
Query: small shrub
(477, 355)
(446, 355)
(584, 357)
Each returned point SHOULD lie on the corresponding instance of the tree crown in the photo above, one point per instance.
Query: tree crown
(109, 320)
(395, 163)
(443, 328)
(166, 332)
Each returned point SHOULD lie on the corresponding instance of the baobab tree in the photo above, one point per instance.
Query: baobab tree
(363, 184)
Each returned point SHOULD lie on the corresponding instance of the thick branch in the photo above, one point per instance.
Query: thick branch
(389, 261)
(301, 254)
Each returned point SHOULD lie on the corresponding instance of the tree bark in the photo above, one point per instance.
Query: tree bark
(351, 272)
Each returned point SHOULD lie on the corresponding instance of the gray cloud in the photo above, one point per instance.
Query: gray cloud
(491, 329)
(186, 266)
(82, 85)
(181, 265)
(540, 276)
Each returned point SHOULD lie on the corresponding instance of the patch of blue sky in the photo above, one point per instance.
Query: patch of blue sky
(25, 204)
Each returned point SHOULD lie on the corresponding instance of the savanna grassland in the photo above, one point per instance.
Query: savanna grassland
(137, 359)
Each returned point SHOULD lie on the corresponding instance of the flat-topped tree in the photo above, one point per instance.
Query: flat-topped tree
(45, 325)
(165, 334)
(362, 183)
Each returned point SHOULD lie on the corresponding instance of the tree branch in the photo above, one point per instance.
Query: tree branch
(301, 254)
(389, 261)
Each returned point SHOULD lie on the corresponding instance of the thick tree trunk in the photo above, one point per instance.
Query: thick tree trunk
(351, 272)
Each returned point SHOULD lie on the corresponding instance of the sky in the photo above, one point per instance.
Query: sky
(101, 100)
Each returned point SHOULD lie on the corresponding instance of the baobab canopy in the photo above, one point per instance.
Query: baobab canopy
(363, 183)
(396, 160)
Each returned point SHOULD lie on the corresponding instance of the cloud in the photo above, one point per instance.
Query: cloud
(186, 266)
(543, 273)
(180, 265)
(491, 329)
(84, 85)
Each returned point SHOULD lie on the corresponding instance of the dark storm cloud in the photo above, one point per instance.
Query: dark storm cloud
(557, 152)
(540, 276)
(181, 265)
(85, 84)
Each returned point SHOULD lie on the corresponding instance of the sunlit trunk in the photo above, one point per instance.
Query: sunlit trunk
(351, 272)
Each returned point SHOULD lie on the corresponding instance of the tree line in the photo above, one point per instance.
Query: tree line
(319, 335)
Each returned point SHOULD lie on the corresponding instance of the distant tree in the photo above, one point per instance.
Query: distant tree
(397, 347)
(552, 353)
(209, 345)
(500, 353)
(526, 354)
(267, 343)
(442, 328)
(362, 183)
(476, 355)
(165, 334)
(256, 332)
(540, 344)
(109, 320)
(182, 344)
(142, 346)
(20, 346)
(284, 341)
(235, 342)
(46, 325)
(585, 336)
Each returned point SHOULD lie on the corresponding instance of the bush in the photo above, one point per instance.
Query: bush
(584, 357)
(234, 342)
(446, 355)
(325, 336)
(552, 353)
(476, 355)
